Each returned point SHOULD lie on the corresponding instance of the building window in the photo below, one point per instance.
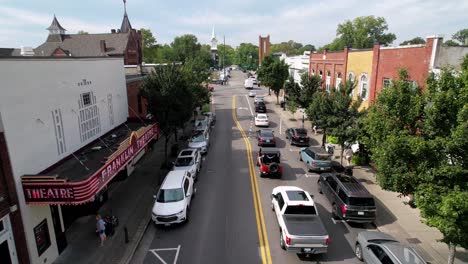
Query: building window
(89, 119)
(328, 82)
(320, 74)
(86, 97)
(313, 72)
(338, 81)
(364, 87)
(41, 234)
(386, 82)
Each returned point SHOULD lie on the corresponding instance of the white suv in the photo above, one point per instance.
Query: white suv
(189, 160)
(173, 199)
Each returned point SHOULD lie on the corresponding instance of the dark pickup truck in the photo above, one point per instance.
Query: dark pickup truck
(301, 229)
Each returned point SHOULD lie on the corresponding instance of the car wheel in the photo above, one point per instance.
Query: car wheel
(282, 245)
(300, 157)
(358, 251)
(261, 174)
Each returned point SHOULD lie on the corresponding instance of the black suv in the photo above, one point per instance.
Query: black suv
(260, 107)
(297, 136)
(350, 200)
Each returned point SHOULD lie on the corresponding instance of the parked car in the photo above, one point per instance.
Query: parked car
(374, 247)
(269, 161)
(315, 159)
(252, 93)
(189, 160)
(266, 138)
(211, 117)
(249, 83)
(262, 120)
(202, 124)
(200, 140)
(301, 229)
(259, 98)
(173, 199)
(350, 200)
(297, 136)
(260, 107)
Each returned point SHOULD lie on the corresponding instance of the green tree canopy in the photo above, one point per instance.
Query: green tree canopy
(451, 43)
(273, 73)
(185, 46)
(361, 33)
(461, 36)
(82, 32)
(247, 56)
(229, 56)
(416, 40)
(150, 50)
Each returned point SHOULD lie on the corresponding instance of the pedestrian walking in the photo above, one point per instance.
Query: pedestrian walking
(348, 156)
(101, 228)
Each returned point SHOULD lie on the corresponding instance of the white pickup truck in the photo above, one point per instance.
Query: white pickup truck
(301, 229)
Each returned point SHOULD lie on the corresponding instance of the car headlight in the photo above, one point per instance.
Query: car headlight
(181, 212)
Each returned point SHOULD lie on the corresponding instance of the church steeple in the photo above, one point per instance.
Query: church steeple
(126, 26)
(214, 41)
(55, 28)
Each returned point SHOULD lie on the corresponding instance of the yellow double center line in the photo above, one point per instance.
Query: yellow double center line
(262, 234)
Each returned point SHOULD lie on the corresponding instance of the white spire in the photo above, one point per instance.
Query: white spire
(214, 41)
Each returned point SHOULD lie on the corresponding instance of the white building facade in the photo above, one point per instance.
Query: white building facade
(50, 108)
(298, 65)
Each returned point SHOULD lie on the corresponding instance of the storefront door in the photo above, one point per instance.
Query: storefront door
(7, 244)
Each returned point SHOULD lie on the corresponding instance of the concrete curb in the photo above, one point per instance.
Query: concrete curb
(142, 227)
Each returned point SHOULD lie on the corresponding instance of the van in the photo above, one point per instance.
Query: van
(248, 83)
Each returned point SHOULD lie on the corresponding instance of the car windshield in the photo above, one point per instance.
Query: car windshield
(261, 117)
(358, 201)
(300, 209)
(197, 138)
(185, 161)
(170, 195)
(260, 103)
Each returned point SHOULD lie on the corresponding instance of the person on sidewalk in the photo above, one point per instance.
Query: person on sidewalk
(101, 228)
(348, 155)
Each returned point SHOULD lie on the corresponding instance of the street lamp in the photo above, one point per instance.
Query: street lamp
(303, 116)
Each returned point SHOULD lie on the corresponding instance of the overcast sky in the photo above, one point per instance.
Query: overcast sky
(24, 22)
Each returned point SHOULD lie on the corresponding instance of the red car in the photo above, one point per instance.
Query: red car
(269, 159)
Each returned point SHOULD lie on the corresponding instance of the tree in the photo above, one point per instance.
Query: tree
(393, 124)
(292, 92)
(184, 47)
(230, 55)
(307, 47)
(82, 32)
(461, 36)
(416, 40)
(361, 33)
(247, 56)
(150, 50)
(273, 73)
(319, 109)
(419, 141)
(310, 84)
(451, 43)
(264, 72)
(169, 99)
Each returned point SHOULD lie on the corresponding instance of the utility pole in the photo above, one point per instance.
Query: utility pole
(224, 56)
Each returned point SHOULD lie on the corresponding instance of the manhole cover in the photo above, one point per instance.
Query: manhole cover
(413, 241)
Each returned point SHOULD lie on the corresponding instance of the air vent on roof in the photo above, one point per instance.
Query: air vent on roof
(27, 51)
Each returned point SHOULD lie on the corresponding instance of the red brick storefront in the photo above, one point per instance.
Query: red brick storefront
(329, 65)
(137, 104)
(387, 61)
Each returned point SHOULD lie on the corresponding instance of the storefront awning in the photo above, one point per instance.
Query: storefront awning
(52, 189)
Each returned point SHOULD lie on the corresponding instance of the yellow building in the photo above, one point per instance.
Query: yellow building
(359, 68)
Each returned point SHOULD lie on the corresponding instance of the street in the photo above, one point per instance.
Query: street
(225, 224)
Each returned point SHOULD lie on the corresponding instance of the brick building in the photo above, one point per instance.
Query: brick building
(387, 61)
(126, 42)
(263, 48)
(330, 66)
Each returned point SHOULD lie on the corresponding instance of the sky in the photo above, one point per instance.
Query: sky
(24, 22)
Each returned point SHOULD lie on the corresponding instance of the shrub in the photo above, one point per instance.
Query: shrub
(206, 108)
(332, 139)
(359, 159)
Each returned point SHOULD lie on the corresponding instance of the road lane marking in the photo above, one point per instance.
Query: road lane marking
(248, 102)
(177, 249)
(261, 229)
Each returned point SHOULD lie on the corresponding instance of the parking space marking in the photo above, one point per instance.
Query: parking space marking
(248, 102)
(154, 251)
(336, 221)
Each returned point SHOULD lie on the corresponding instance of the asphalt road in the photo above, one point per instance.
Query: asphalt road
(225, 226)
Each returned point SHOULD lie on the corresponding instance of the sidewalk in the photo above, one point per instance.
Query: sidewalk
(131, 201)
(394, 217)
